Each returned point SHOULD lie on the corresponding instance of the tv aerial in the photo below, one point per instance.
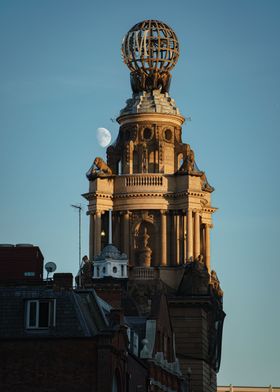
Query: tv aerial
(50, 267)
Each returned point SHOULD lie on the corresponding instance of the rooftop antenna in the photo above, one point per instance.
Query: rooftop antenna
(50, 267)
(79, 208)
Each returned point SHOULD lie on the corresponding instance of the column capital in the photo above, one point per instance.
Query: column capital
(125, 212)
(93, 213)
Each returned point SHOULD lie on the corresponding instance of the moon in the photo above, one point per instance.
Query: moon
(103, 137)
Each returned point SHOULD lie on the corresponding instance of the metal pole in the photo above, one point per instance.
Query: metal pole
(80, 245)
(79, 207)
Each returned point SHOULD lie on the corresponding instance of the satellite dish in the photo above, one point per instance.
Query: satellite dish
(50, 267)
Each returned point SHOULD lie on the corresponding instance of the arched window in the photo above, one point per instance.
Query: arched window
(135, 162)
(180, 160)
(119, 167)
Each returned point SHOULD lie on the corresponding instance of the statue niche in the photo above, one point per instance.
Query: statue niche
(144, 234)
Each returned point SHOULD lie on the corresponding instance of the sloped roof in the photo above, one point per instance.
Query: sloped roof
(78, 313)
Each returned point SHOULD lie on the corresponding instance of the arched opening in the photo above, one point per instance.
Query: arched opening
(180, 160)
(119, 167)
(153, 161)
(145, 244)
(135, 162)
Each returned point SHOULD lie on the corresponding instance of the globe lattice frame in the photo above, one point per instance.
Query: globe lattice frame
(150, 49)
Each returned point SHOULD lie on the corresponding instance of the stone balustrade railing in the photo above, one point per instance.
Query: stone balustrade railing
(143, 273)
(140, 182)
(144, 180)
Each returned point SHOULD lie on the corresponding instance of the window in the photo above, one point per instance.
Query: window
(29, 274)
(40, 313)
(147, 134)
(115, 270)
(168, 134)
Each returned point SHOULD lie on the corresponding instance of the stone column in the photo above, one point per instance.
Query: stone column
(190, 234)
(126, 235)
(207, 247)
(178, 243)
(163, 238)
(91, 235)
(174, 256)
(97, 234)
(184, 236)
(168, 238)
(196, 234)
(116, 230)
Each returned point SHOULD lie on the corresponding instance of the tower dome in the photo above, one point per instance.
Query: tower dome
(110, 263)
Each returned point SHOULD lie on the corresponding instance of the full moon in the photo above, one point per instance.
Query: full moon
(103, 137)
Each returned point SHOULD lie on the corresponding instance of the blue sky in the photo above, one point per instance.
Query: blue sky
(62, 77)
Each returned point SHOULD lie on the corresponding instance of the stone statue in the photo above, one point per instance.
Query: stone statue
(205, 184)
(98, 169)
(145, 238)
(87, 269)
(188, 163)
(144, 251)
(102, 166)
(215, 283)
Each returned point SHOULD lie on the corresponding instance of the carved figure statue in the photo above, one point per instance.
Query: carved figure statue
(205, 184)
(141, 81)
(144, 251)
(199, 259)
(86, 270)
(188, 163)
(102, 166)
(216, 284)
(145, 238)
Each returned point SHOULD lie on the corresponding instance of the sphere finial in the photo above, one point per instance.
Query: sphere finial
(150, 49)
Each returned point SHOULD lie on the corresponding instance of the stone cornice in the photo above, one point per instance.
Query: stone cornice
(154, 117)
(95, 195)
(209, 209)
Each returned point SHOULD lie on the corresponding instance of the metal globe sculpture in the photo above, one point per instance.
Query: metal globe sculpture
(150, 49)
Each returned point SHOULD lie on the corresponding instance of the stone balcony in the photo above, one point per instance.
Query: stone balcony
(156, 183)
(144, 273)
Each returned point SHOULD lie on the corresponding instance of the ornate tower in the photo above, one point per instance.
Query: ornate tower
(161, 205)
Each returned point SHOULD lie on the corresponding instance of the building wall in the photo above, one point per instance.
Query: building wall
(48, 365)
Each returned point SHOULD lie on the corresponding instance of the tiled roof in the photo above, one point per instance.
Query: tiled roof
(78, 314)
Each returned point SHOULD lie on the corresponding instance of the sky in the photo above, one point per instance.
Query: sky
(62, 77)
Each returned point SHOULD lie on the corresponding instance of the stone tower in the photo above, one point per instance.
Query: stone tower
(161, 206)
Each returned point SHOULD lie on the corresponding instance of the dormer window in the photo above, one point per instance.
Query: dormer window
(40, 313)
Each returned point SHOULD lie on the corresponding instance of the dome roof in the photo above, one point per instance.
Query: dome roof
(111, 252)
